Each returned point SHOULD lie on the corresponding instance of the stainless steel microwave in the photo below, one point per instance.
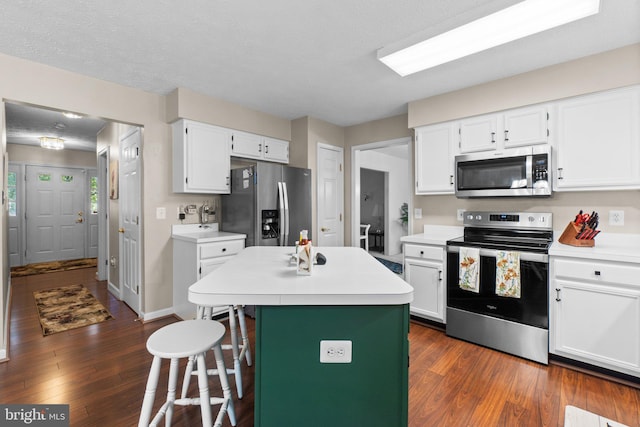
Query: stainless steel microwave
(520, 172)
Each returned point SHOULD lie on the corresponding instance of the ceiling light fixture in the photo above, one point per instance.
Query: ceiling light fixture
(71, 115)
(515, 22)
(51, 143)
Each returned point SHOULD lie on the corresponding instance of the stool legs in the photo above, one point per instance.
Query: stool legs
(227, 404)
(150, 392)
(203, 385)
(246, 347)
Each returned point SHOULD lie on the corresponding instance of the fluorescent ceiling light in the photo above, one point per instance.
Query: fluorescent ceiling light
(515, 22)
(71, 115)
(51, 143)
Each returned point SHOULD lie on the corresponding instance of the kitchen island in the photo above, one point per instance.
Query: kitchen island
(352, 298)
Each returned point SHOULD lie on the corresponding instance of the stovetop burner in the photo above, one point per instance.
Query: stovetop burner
(521, 231)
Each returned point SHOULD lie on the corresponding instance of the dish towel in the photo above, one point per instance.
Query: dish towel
(508, 274)
(469, 269)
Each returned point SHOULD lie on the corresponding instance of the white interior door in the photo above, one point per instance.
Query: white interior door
(55, 221)
(330, 192)
(130, 216)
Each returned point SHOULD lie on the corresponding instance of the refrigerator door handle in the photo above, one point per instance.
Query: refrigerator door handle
(281, 214)
(286, 214)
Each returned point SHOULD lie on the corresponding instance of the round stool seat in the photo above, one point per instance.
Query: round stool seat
(185, 338)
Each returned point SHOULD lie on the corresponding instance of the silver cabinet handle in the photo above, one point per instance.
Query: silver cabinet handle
(560, 173)
(440, 275)
(506, 135)
(558, 294)
(451, 179)
(493, 137)
(259, 148)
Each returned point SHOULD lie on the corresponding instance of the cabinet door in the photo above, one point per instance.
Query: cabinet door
(202, 158)
(428, 288)
(525, 126)
(276, 150)
(478, 133)
(245, 144)
(435, 150)
(597, 324)
(598, 145)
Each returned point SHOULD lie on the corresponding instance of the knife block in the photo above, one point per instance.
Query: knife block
(568, 237)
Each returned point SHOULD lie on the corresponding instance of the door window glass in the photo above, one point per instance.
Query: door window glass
(66, 178)
(93, 195)
(12, 193)
(44, 177)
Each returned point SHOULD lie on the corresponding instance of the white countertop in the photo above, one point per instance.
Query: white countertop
(207, 233)
(434, 235)
(608, 247)
(264, 276)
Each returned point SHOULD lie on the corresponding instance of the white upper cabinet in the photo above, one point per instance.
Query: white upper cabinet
(598, 141)
(499, 131)
(276, 150)
(525, 126)
(248, 145)
(478, 133)
(435, 150)
(251, 146)
(201, 158)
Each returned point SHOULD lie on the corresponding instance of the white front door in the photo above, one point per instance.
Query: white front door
(330, 190)
(130, 216)
(55, 213)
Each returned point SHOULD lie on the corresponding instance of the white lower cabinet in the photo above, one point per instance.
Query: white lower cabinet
(595, 313)
(191, 262)
(424, 270)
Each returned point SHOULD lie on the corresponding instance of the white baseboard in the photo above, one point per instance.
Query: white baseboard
(115, 291)
(158, 314)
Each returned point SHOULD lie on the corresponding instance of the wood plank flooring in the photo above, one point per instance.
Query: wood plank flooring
(101, 370)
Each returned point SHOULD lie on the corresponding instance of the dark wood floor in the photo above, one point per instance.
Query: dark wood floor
(100, 371)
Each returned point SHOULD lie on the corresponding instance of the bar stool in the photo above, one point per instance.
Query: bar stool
(240, 351)
(188, 338)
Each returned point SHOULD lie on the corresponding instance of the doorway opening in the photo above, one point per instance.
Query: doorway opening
(381, 174)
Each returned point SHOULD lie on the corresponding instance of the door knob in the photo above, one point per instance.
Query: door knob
(79, 221)
(80, 213)
(120, 230)
(325, 229)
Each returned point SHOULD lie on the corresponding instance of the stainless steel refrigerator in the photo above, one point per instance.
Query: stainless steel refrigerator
(269, 202)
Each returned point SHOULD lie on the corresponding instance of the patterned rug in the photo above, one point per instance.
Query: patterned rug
(393, 266)
(68, 307)
(49, 267)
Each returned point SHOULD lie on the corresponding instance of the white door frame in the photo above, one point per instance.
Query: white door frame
(103, 214)
(355, 182)
(323, 146)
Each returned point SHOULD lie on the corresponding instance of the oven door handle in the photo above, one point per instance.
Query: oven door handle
(493, 253)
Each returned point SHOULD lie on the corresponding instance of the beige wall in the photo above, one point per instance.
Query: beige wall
(366, 133)
(617, 68)
(4, 259)
(36, 155)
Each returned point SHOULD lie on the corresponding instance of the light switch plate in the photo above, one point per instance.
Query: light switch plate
(417, 213)
(161, 213)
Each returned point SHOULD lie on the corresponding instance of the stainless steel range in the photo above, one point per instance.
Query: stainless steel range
(515, 320)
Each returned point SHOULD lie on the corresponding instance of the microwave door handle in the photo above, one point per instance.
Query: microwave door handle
(281, 214)
(285, 198)
(529, 169)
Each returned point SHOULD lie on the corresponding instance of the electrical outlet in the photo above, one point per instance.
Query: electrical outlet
(616, 217)
(161, 213)
(335, 351)
(417, 213)
(460, 214)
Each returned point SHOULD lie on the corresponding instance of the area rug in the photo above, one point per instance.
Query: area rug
(68, 307)
(52, 266)
(393, 266)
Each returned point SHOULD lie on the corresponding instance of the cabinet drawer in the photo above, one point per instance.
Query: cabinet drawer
(424, 252)
(216, 249)
(606, 272)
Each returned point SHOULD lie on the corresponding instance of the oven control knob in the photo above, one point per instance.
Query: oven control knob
(478, 217)
(469, 216)
(531, 219)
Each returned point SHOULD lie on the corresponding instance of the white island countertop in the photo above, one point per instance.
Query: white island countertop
(265, 276)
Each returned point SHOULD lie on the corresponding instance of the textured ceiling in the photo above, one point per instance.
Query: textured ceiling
(290, 58)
